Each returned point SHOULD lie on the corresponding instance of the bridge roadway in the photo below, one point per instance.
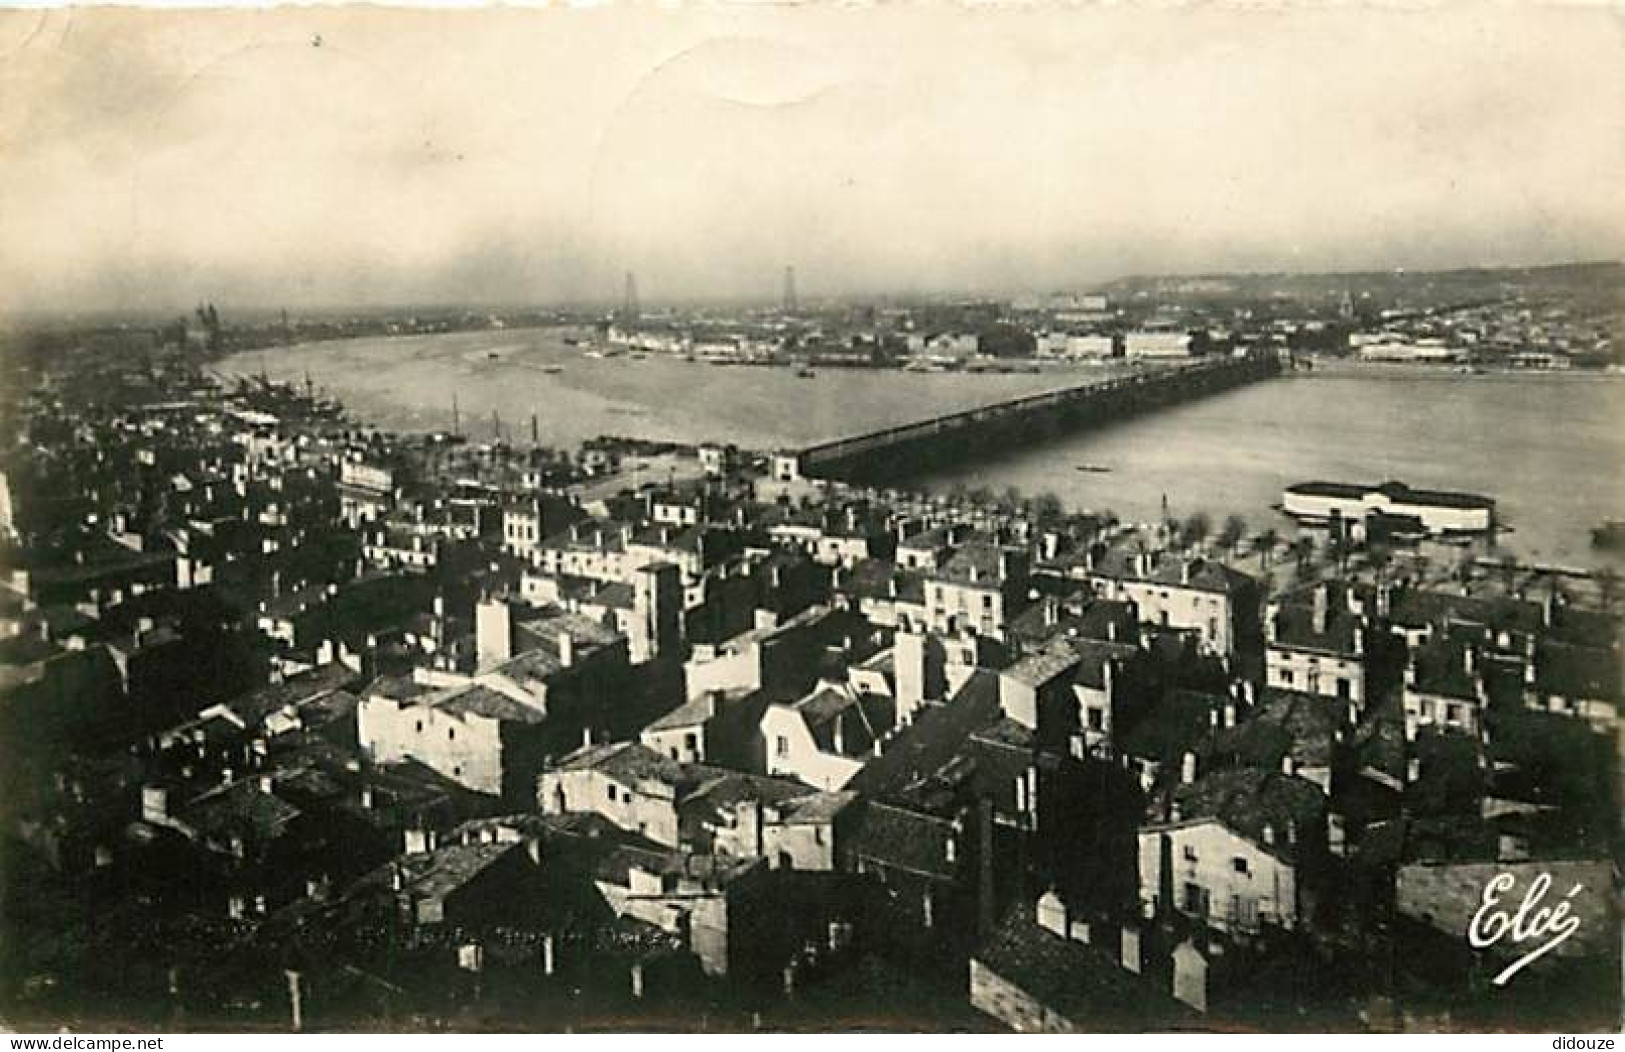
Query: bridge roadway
(896, 453)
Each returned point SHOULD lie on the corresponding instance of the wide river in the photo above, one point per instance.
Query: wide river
(1549, 447)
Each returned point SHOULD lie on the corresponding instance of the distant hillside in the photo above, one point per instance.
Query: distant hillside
(1600, 286)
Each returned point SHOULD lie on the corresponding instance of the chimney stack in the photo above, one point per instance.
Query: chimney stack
(1051, 914)
(1187, 768)
(493, 632)
(1131, 948)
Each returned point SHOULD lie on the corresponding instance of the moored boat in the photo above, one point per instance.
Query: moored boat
(1610, 534)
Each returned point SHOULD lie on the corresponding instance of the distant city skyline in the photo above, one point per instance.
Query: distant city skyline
(323, 159)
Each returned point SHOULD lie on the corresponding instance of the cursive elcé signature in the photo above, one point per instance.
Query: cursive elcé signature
(1532, 921)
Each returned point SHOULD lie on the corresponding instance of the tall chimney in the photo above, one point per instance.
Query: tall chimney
(567, 648)
(1131, 948)
(493, 631)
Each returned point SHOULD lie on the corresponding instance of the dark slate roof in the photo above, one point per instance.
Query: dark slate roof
(902, 838)
(1173, 571)
(983, 562)
(1379, 743)
(1577, 672)
(1441, 668)
(875, 579)
(1093, 657)
(1415, 608)
(1075, 617)
(1286, 723)
(1177, 724)
(589, 534)
(863, 718)
(932, 739)
(1245, 800)
(1085, 983)
(1295, 621)
(1591, 628)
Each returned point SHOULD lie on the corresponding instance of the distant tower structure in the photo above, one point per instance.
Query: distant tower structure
(789, 290)
(629, 301)
(1345, 308)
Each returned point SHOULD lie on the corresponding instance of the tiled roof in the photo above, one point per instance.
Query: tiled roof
(630, 761)
(442, 871)
(478, 700)
(816, 808)
(720, 790)
(1035, 670)
(241, 806)
(691, 713)
(256, 706)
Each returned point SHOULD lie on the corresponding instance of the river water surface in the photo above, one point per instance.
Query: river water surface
(1549, 448)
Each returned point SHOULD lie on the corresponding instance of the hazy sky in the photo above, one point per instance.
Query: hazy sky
(152, 159)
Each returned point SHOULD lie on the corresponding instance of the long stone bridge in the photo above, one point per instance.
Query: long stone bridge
(898, 453)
